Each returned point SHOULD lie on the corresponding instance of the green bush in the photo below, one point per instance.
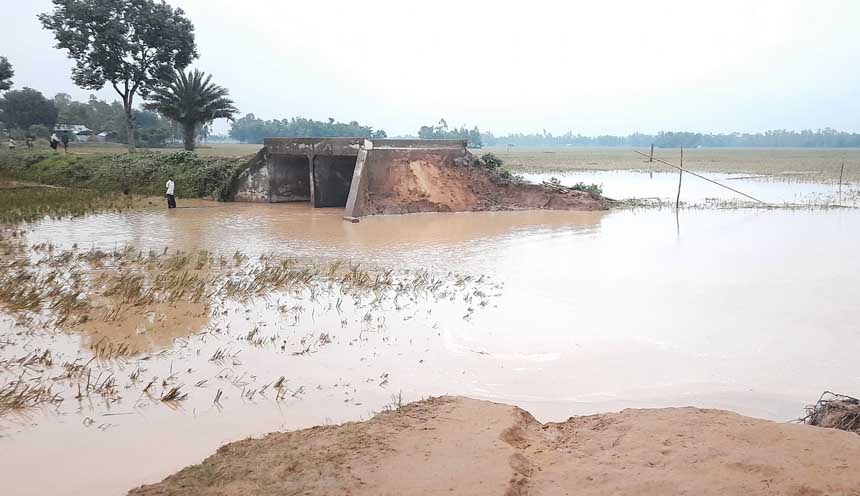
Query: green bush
(491, 161)
(592, 189)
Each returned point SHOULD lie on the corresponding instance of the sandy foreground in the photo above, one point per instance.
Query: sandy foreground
(453, 445)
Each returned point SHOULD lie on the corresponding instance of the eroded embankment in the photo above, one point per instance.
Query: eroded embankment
(408, 181)
(462, 446)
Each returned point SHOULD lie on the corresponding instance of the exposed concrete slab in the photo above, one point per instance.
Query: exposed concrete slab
(313, 146)
(420, 144)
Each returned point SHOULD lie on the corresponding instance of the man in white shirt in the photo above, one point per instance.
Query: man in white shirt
(171, 200)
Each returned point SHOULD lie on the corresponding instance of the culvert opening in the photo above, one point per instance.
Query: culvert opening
(290, 178)
(332, 179)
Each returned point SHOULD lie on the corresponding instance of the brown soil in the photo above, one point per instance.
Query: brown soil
(462, 446)
(423, 181)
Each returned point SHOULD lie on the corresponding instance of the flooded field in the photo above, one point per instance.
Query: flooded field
(813, 164)
(792, 190)
(558, 312)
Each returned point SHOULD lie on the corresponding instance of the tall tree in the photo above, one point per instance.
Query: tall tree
(20, 109)
(6, 73)
(192, 99)
(131, 44)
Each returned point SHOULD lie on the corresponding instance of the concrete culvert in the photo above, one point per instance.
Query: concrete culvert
(390, 176)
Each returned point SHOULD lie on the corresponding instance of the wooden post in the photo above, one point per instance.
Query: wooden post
(841, 170)
(651, 161)
(703, 178)
(680, 176)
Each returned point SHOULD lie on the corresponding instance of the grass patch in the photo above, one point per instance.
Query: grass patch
(140, 173)
(22, 202)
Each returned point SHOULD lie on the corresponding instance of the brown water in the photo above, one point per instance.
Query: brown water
(749, 310)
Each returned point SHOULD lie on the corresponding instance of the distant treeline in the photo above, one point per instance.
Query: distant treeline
(250, 129)
(821, 138)
(441, 131)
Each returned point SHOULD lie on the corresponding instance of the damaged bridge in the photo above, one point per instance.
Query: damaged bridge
(340, 172)
(392, 176)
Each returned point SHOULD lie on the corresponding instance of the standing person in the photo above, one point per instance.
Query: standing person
(66, 142)
(55, 141)
(171, 199)
(29, 142)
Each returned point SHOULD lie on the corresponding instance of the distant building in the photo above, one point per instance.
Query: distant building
(75, 131)
(104, 137)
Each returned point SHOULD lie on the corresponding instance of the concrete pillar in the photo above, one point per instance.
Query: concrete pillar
(350, 212)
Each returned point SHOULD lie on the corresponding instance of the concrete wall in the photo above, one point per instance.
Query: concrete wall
(253, 185)
(313, 146)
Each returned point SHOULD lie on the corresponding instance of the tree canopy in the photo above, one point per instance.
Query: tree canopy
(441, 131)
(130, 44)
(100, 116)
(191, 99)
(250, 129)
(20, 109)
(6, 74)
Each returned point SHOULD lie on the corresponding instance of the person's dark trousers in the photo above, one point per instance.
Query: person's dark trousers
(171, 201)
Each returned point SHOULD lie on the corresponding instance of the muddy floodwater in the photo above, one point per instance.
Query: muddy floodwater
(561, 313)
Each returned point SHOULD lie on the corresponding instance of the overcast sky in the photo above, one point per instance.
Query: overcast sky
(592, 67)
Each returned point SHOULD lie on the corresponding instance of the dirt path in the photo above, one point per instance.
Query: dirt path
(469, 447)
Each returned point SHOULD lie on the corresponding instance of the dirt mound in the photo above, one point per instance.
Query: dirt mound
(463, 446)
(408, 181)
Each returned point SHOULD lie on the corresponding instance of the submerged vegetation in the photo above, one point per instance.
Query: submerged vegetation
(25, 202)
(133, 307)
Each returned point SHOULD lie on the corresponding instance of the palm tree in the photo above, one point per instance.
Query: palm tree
(191, 99)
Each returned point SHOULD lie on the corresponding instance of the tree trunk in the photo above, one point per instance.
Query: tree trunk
(188, 136)
(129, 122)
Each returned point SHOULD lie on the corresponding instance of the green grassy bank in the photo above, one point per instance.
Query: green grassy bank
(140, 174)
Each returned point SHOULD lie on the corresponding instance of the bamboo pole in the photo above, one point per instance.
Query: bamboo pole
(841, 170)
(705, 178)
(680, 176)
(651, 161)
